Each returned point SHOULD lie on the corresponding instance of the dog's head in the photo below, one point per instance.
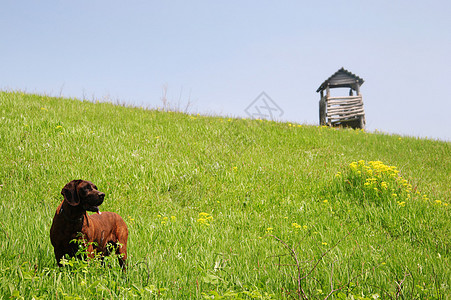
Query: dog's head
(84, 194)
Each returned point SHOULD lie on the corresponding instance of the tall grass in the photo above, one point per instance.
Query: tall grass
(223, 207)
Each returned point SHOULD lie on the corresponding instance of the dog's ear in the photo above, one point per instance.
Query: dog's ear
(70, 194)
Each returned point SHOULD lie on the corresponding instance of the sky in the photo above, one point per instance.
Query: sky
(218, 57)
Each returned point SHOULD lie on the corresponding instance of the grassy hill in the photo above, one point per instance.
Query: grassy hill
(220, 207)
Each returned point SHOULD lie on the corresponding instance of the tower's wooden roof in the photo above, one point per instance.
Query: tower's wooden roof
(341, 78)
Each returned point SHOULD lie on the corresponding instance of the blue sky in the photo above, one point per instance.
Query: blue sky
(219, 56)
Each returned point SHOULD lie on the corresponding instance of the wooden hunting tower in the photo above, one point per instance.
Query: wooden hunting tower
(344, 111)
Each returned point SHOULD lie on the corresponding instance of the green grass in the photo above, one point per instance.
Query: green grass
(220, 207)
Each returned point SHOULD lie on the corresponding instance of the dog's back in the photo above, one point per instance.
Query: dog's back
(107, 228)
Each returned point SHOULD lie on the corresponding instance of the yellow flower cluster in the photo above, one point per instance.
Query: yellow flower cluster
(380, 180)
(204, 218)
(165, 220)
(440, 202)
(374, 168)
(297, 226)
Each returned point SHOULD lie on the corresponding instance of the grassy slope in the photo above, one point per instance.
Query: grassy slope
(160, 170)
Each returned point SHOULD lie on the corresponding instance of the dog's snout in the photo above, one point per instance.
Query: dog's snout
(101, 196)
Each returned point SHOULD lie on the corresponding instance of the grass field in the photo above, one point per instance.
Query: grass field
(223, 208)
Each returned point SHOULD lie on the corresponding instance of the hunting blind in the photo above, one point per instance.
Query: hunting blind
(346, 111)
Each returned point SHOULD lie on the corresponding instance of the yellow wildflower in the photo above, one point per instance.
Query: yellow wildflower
(204, 218)
(203, 221)
(296, 225)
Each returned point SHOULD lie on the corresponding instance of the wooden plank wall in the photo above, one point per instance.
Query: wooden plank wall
(341, 109)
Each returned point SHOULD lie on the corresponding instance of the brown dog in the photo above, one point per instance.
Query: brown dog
(97, 230)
